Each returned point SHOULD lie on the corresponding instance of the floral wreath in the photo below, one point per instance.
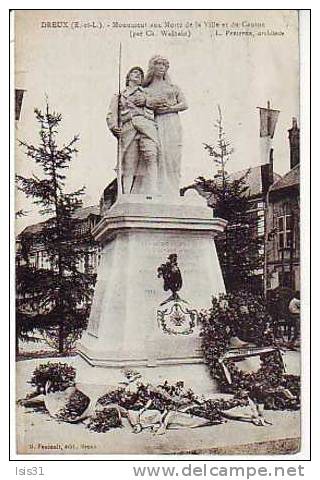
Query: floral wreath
(245, 316)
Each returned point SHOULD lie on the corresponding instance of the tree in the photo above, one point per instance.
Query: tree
(61, 293)
(239, 247)
(222, 152)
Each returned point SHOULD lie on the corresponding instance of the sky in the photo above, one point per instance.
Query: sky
(77, 68)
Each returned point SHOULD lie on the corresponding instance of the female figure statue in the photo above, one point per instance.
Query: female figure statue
(166, 100)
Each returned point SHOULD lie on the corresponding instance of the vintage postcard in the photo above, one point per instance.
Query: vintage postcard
(157, 161)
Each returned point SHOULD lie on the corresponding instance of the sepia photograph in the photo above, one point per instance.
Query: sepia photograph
(157, 232)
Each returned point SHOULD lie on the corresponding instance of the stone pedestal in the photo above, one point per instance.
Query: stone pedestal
(128, 326)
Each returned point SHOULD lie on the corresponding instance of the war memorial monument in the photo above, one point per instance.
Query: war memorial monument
(159, 267)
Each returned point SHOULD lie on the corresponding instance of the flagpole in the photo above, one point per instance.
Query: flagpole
(268, 121)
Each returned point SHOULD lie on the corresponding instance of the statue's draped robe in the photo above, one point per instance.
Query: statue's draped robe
(170, 135)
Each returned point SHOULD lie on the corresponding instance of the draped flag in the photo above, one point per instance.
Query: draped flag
(268, 121)
(18, 102)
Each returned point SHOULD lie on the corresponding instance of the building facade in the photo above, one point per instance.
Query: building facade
(282, 241)
(29, 250)
(258, 181)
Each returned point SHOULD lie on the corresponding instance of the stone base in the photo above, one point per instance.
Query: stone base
(158, 349)
(99, 380)
(133, 323)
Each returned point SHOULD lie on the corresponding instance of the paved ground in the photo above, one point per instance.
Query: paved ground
(39, 433)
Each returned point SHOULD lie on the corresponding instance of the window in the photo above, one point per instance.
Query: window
(285, 239)
(40, 259)
(285, 279)
(260, 223)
